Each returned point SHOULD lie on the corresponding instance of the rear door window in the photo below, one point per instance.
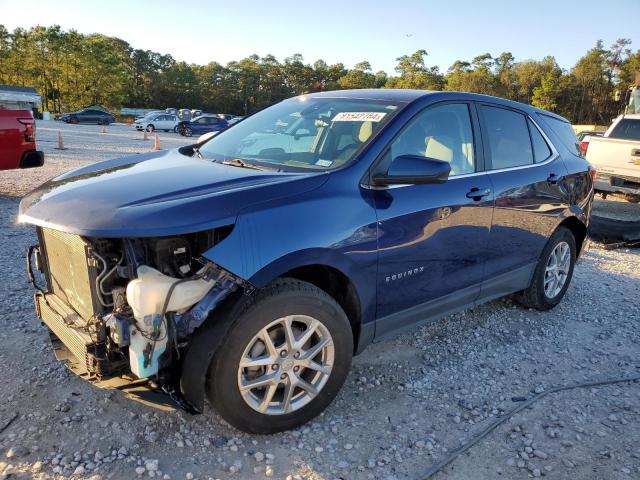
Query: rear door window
(508, 137)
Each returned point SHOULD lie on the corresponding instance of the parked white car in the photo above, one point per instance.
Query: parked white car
(154, 112)
(158, 121)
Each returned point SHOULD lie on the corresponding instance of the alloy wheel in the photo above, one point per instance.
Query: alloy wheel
(286, 365)
(557, 269)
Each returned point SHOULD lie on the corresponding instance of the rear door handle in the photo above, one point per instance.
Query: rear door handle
(477, 194)
(553, 179)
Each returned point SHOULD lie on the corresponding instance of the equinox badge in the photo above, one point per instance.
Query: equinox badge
(408, 273)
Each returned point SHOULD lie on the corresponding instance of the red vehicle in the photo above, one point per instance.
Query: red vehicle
(18, 140)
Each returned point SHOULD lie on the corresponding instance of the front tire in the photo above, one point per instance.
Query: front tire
(553, 272)
(286, 355)
(187, 132)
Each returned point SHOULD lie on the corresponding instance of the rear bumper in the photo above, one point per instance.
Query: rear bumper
(31, 159)
(613, 184)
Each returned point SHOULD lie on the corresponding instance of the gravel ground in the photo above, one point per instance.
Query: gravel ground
(616, 208)
(406, 404)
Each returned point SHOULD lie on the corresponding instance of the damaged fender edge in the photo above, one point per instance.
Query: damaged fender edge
(207, 338)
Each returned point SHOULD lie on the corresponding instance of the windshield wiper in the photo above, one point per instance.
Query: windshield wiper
(236, 162)
(197, 152)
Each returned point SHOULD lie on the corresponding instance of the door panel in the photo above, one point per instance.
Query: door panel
(432, 242)
(528, 205)
(432, 238)
(528, 180)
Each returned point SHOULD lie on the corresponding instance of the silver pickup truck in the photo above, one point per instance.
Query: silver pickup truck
(616, 156)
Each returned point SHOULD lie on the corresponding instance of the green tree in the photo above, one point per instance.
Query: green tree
(359, 76)
(414, 73)
(475, 76)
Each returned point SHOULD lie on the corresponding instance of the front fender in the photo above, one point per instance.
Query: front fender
(331, 226)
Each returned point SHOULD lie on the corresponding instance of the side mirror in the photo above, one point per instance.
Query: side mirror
(414, 169)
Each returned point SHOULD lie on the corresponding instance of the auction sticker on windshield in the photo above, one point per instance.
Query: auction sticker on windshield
(359, 117)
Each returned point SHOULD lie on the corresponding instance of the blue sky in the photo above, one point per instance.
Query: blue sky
(346, 31)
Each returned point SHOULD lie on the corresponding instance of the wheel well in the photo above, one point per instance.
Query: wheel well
(336, 284)
(578, 229)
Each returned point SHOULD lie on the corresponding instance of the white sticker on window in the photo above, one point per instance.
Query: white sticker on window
(324, 163)
(358, 117)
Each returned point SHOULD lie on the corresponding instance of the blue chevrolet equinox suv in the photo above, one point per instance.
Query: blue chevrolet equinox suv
(250, 268)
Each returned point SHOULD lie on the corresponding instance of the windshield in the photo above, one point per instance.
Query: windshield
(302, 133)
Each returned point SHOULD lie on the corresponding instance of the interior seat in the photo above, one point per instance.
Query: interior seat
(362, 134)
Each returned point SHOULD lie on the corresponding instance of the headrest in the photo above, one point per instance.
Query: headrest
(366, 130)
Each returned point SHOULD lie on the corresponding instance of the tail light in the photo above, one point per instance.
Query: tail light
(583, 147)
(593, 173)
(30, 129)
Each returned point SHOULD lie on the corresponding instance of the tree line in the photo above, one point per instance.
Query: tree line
(72, 70)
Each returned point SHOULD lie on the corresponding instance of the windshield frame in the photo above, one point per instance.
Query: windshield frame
(310, 168)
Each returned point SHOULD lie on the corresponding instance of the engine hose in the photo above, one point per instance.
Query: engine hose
(105, 272)
(491, 427)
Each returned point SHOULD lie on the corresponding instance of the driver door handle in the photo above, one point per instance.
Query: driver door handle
(477, 194)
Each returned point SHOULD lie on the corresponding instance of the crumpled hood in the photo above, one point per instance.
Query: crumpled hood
(155, 194)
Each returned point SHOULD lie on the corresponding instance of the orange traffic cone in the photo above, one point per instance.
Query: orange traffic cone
(156, 143)
(60, 144)
(146, 136)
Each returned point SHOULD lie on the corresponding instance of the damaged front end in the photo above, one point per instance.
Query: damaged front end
(122, 312)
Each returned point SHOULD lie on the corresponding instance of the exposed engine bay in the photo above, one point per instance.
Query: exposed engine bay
(127, 307)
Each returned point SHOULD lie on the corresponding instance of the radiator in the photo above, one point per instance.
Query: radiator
(70, 271)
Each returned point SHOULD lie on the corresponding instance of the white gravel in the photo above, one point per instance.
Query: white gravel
(406, 404)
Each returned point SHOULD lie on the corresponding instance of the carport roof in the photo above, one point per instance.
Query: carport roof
(15, 88)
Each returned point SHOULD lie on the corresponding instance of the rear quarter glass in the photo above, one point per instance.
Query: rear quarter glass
(564, 132)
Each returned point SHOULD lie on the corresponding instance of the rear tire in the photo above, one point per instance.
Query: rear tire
(301, 343)
(549, 283)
